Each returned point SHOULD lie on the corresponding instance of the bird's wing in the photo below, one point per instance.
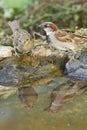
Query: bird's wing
(61, 34)
(65, 41)
(64, 36)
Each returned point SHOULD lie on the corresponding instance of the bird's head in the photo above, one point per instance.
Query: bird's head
(14, 25)
(48, 27)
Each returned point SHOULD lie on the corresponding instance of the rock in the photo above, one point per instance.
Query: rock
(6, 91)
(15, 71)
(78, 67)
(65, 93)
(6, 51)
(43, 51)
(81, 32)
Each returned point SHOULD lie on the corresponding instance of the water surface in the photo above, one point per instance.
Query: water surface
(14, 116)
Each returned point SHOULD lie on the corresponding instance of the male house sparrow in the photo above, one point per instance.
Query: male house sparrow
(21, 38)
(59, 39)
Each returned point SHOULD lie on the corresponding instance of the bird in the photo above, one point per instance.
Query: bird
(21, 38)
(59, 39)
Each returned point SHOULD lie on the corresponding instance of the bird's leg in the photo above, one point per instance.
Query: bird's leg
(16, 54)
(73, 56)
(14, 44)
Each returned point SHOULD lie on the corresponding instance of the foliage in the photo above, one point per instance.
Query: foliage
(65, 13)
(21, 4)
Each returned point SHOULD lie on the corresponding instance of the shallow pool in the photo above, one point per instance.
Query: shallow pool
(15, 116)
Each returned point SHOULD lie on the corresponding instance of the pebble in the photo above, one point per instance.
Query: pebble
(6, 51)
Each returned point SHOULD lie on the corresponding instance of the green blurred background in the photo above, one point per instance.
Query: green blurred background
(65, 13)
(17, 3)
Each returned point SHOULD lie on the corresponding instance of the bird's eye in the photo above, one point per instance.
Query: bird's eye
(20, 40)
(45, 26)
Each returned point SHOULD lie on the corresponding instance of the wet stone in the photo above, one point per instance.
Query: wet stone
(6, 51)
(78, 67)
(28, 69)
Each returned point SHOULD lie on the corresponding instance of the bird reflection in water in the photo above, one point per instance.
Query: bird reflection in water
(27, 96)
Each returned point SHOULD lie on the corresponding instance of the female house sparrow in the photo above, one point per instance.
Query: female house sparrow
(58, 39)
(21, 38)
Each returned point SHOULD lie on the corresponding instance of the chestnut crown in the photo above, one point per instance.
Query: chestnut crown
(50, 25)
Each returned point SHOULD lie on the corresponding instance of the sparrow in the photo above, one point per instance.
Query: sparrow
(59, 39)
(21, 38)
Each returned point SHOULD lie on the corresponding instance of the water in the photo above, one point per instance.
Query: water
(14, 116)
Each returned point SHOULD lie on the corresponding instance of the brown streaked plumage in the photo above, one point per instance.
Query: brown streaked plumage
(21, 38)
(59, 39)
